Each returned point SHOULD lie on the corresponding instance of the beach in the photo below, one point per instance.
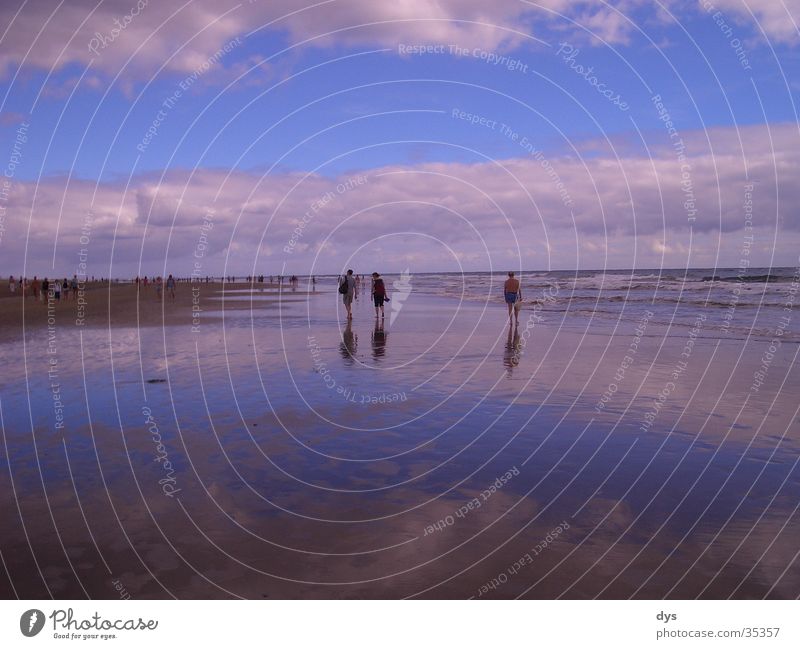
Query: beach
(103, 304)
(245, 441)
(386, 301)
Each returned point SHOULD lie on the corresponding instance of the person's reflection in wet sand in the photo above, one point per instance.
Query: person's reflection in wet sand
(512, 351)
(379, 337)
(349, 344)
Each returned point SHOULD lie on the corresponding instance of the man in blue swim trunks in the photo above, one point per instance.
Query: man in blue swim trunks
(513, 293)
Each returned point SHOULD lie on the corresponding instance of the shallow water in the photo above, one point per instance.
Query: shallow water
(300, 457)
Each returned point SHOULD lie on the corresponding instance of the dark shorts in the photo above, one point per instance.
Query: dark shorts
(511, 298)
(378, 299)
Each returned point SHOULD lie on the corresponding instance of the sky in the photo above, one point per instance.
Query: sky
(298, 137)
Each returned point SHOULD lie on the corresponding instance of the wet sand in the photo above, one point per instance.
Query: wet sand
(273, 451)
(126, 305)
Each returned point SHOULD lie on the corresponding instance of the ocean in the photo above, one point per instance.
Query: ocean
(737, 305)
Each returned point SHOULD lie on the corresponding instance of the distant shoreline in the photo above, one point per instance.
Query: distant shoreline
(242, 278)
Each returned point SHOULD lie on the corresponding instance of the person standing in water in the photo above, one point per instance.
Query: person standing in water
(513, 292)
(378, 294)
(350, 293)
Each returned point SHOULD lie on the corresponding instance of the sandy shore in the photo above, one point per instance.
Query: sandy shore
(290, 454)
(103, 305)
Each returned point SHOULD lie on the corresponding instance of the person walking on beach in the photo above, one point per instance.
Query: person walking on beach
(513, 292)
(378, 294)
(158, 288)
(171, 286)
(45, 289)
(12, 285)
(349, 290)
(35, 287)
(74, 285)
(65, 288)
(57, 290)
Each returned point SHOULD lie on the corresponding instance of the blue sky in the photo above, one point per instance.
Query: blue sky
(302, 99)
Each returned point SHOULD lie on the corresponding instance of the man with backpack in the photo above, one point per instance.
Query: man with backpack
(348, 289)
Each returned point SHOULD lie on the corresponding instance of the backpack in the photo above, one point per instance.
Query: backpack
(343, 286)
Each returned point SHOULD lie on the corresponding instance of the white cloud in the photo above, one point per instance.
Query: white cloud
(107, 34)
(480, 211)
(607, 25)
(182, 35)
(778, 18)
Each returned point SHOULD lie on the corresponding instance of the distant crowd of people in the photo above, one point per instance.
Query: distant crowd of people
(163, 286)
(227, 279)
(350, 285)
(40, 290)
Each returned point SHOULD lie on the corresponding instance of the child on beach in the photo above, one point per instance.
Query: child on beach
(12, 285)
